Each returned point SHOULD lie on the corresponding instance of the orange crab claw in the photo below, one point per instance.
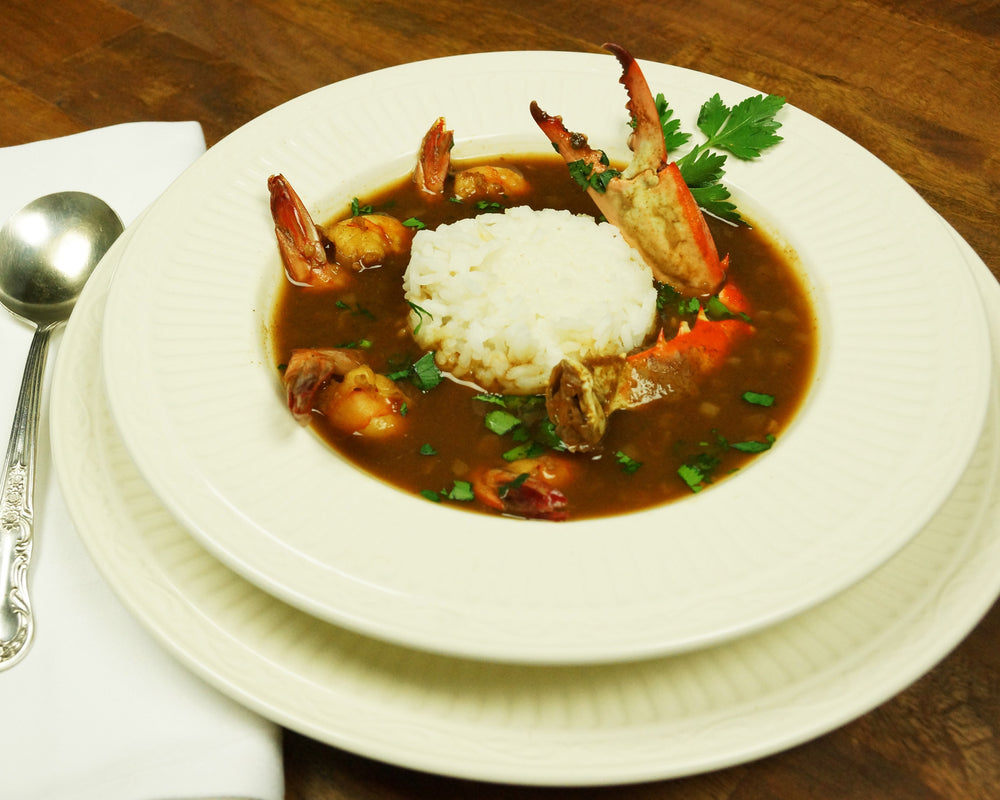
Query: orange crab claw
(705, 346)
(648, 202)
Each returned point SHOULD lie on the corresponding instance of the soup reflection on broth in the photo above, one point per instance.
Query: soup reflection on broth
(463, 348)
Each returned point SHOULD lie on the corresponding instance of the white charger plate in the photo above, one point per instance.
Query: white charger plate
(573, 725)
(892, 418)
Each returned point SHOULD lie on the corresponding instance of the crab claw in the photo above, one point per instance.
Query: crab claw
(648, 201)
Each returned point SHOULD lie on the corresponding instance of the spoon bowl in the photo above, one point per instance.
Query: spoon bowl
(48, 250)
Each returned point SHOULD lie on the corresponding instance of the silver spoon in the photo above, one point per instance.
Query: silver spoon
(48, 249)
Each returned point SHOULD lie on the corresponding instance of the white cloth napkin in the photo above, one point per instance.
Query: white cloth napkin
(97, 710)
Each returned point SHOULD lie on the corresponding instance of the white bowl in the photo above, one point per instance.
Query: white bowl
(891, 420)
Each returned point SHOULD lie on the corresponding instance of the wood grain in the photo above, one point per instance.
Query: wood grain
(916, 83)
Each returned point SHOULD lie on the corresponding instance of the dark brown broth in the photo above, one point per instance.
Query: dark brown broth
(778, 360)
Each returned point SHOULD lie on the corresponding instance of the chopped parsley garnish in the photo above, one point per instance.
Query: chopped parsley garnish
(422, 373)
(523, 418)
(716, 309)
(506, 488)
(495, 399)
(500, 421)
(527, 450)
(357, 209)
(759, 399)
(583, 173)
(421, 313)
(754, 447)
(413, 222)
(357, 309)
(460, 491)
(427, 450)
(489, 206)
(698, 470)
(628, 464)
(357, 344)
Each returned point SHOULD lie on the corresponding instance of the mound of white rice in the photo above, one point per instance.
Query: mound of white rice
(510, 295)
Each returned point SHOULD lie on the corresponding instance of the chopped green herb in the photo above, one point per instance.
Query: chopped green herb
(628, 464)
(433, 496)
(545, 432)
(506, 488)
(716, 309)
(759, 399)
(500, 421)
(357, 309)
(357, 209)
(672, 134)
(583, 173)
(424, 373)
(421, 313)
(754, 447)
(462, 492)
(427, 450)
(413, 222)
(489, 206)
(698, 470)
(495, 399)
(528, 450)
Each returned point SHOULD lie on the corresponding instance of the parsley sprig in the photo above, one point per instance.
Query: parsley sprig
(744, 130)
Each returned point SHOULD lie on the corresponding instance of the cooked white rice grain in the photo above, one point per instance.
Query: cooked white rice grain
(510, 295)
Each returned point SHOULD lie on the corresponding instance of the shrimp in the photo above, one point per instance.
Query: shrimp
(526, 488)
(338, 384)
(487, 182)
(356, 242)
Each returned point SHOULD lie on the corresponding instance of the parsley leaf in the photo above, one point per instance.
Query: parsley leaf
(715, 309)
(672, 133)
(500, 421)
(754, 447)
(628, 464)
(413, 222)
(357, 209)
(421, 313)
(461, 491)
(583, 173)
(423, 373)
(698, 471)
(743, 130)
(759, 399)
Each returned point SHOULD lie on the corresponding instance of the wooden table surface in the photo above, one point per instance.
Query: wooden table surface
(917, 84)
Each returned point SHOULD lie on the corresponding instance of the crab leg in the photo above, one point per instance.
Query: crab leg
(581, 396)
(648, 201)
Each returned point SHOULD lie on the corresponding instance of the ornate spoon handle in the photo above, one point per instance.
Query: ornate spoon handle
(16, 517)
